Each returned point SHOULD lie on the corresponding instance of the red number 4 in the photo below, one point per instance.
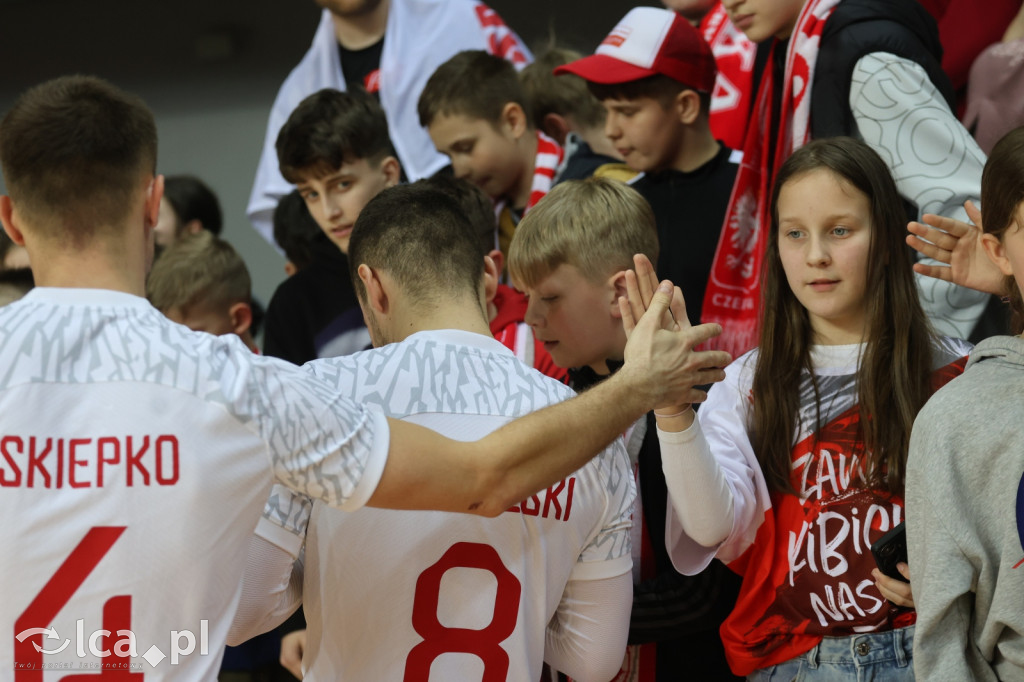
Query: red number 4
(56, 594)
(484, 643)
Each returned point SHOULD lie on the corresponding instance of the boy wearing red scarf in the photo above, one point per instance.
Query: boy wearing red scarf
(476, 113)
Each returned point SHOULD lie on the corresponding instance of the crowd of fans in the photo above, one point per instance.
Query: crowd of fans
(423, 171)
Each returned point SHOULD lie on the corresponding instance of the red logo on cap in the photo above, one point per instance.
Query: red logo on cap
(617, 37)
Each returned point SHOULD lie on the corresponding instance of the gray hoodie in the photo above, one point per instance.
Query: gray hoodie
(964, 505)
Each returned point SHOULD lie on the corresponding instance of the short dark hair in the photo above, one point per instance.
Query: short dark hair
(565, 94)
(192, 199)
(658, 87)
(73, 152)
(475, 205)
(419, 236)
(475, 84)
(296, 232)
(329, 128)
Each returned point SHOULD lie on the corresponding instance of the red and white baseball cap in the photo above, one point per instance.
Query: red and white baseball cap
(649, 41)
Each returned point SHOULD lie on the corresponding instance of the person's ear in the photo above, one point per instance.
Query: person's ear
(492, 273)
(290, 268)
(556, 127)
(376, 294)
(617, 289)
(514, 119)
(194, 226)
(392, 171)
(151, 206)
(10, 221)
(996, 253)
(687, 106)
(240, 315)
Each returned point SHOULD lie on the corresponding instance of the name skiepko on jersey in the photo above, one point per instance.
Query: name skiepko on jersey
(45, 462)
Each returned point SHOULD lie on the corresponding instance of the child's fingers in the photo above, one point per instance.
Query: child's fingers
(929, 249)
(628, 321)
(636, 302)
(937, 271)
(973, 212)
(646, 277)
(678, 308)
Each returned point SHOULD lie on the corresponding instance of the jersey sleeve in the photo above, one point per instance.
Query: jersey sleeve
(608, 552)
(321, 444)
(902, 116)
(285, 519)
(722, 423)
(586, 638)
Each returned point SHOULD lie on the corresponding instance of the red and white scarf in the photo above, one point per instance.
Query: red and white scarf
(545, 167)
(733, 294)
(549, 158)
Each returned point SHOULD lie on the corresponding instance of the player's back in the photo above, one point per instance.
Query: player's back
(441, 596)
(135, 457)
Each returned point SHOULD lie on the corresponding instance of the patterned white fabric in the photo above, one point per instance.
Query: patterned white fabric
(936, 164)
(135, 456)
(414, 576)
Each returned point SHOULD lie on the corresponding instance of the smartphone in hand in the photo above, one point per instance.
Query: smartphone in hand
(891, 549)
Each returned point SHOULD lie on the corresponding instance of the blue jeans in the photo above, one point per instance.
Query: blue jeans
(872, 657)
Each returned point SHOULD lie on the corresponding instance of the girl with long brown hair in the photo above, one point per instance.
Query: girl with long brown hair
(797, 463)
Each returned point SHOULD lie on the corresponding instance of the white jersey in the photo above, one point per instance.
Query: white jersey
(135, 457)
(446, 596)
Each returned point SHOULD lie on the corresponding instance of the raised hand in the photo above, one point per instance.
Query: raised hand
(662, 342)
(957, 247)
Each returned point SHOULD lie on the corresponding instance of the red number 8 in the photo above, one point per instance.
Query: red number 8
(484, 643)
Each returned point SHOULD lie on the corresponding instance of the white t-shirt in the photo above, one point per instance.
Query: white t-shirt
(416, 579)
(135, 457)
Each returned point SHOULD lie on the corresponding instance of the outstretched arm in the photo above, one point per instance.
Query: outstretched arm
(427, 471)
(956, 245)
(697, 488)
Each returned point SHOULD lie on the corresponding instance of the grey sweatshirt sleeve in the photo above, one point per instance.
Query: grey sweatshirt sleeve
(942, 576)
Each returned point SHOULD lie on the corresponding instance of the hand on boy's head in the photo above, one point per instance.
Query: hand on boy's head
(957, 247)
(660, 355)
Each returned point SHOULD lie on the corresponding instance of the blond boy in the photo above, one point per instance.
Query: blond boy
(202, 283)
(569, 256)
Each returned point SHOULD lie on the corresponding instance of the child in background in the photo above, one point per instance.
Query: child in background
(335, 148)
(568, 256)
(298, 235)
(796, 463)
(475, 111)
(506, 307)
(563, 108)
(654, 73)
(869, 69)
(188, 206)
(964, 524)
(202, 283)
